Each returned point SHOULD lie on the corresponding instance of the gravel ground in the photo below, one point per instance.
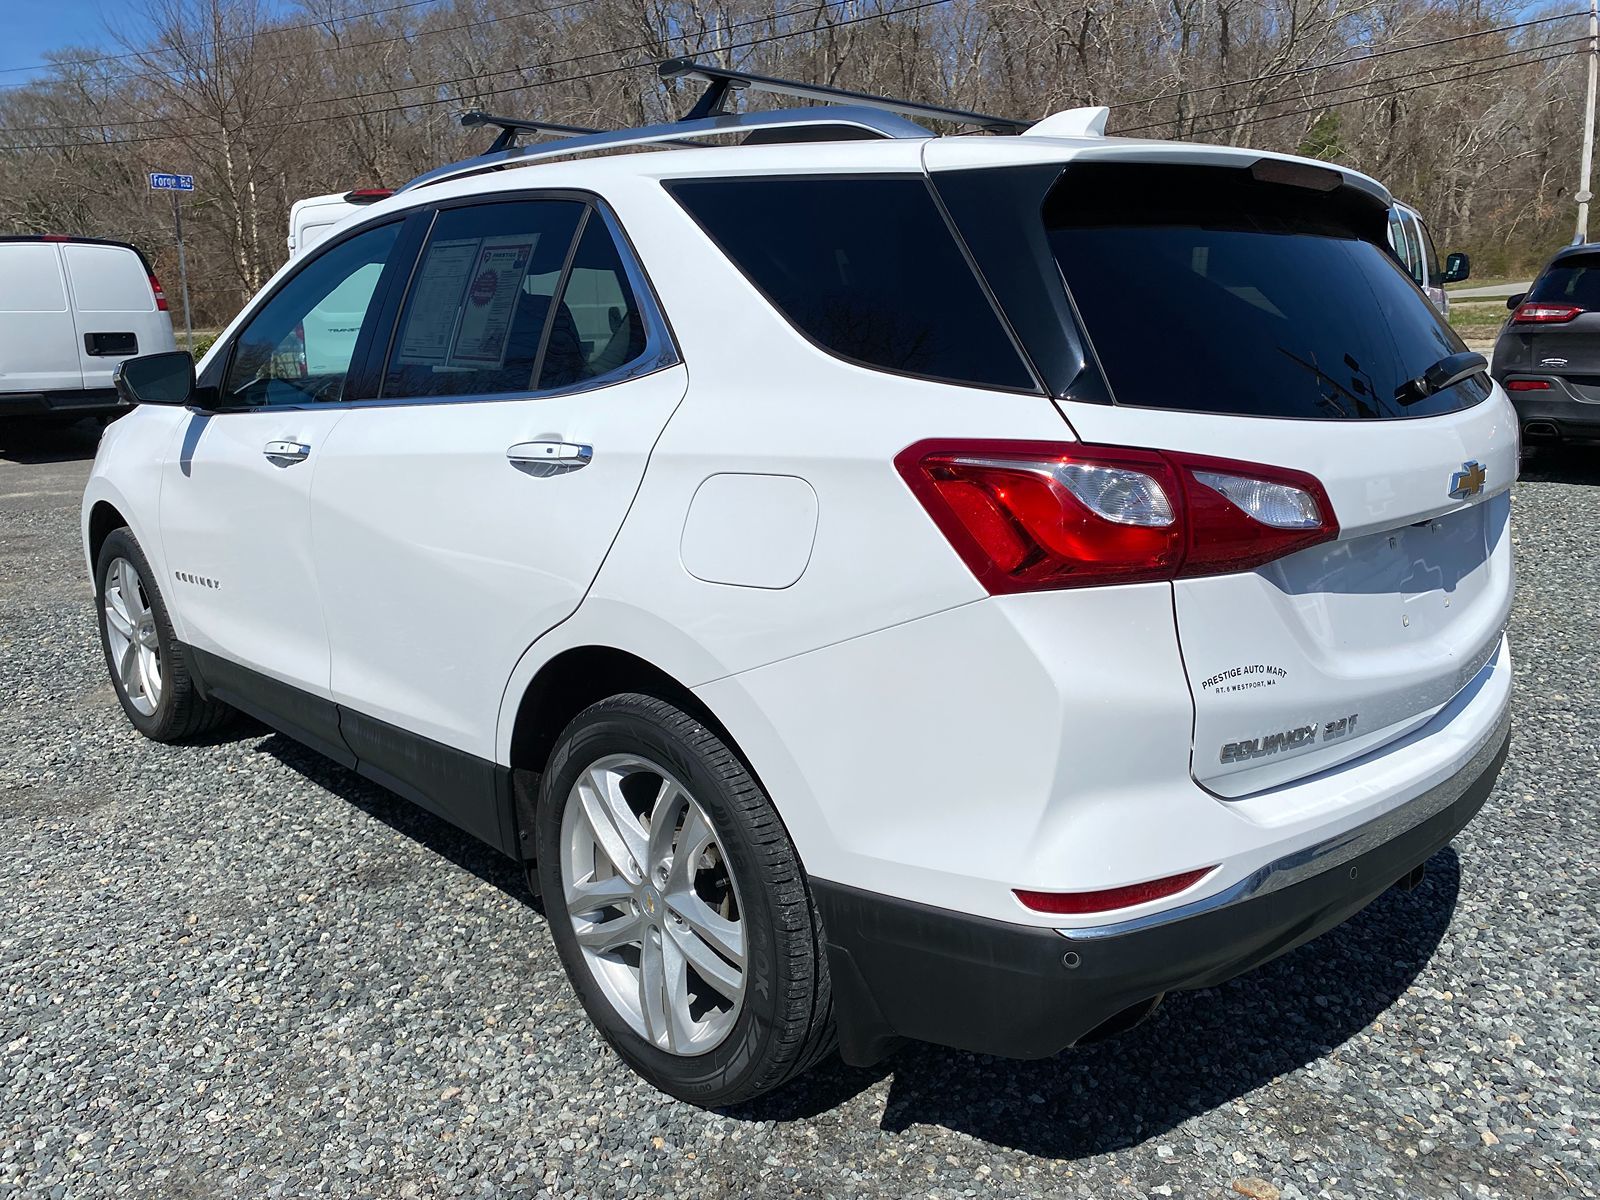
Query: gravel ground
(235, 969)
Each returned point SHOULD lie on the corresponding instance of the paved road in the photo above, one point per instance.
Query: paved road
(236, 970)
(1492, 292)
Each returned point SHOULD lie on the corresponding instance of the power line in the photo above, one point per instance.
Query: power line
(811, 6)
(1360, 83)
(333, 48)
(516, 87)
(227, 41)
(1318, 108)
(1290, 72)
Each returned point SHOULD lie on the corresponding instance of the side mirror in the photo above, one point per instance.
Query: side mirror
(1513, 301)
(156, 378)
(1457, 267)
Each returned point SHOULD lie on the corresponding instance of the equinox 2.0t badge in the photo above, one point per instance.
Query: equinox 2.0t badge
(1467, 482)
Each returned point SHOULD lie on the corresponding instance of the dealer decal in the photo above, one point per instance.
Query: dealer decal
(1244, 679)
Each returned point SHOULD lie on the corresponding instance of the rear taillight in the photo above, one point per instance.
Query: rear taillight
(161, 296)
(1533, 312)
(367, 195)
(1527, 385)
(1028, 516)
(1110, 899)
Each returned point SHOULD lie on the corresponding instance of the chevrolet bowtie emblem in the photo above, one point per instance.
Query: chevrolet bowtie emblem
(1467, 482)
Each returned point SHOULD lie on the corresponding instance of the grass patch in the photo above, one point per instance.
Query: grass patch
(1477, 320)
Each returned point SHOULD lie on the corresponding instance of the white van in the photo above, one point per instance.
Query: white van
(1413, 246)
(311, 219)
(71, 310)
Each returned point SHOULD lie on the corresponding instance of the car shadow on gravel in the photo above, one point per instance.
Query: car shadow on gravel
(36, 444)
(1200, 1051)
(1562, 464)
(404, 817)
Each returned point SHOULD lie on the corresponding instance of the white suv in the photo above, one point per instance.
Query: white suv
(882, 585)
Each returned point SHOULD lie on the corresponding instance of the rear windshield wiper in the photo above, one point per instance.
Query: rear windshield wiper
(1449, 370)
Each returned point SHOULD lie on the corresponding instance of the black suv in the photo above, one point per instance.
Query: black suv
(1548, 355)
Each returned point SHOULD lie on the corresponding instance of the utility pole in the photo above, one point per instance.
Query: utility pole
(1584, 195)
(183, 267)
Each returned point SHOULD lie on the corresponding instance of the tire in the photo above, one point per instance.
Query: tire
(739, 866)
(157, 692)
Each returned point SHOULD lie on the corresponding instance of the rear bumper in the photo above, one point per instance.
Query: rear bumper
(63, 404)
(1558, 411)
(905, 970)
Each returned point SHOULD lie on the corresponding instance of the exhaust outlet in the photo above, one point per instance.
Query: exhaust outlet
(1538, 429)
(1412, 879)
(1120, 1023)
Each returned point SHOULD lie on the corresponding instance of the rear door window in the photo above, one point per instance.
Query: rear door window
(1573, 280)
(1417, 260)
(481, 309)
(866, 268)
(1430, 256)
(1206, 289)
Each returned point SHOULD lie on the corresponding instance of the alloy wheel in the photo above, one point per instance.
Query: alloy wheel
(654, 907)
(132, 637)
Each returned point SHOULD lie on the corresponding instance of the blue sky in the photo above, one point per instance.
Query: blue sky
(34, 29)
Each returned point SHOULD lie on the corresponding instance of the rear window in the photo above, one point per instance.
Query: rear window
(1206, 289)
(1574, 280)
(866, 268)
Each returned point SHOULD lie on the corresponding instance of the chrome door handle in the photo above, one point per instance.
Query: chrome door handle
(285, 453)
(542, 459)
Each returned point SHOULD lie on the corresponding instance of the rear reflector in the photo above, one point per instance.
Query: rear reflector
(1534, 312)
(1030, 516)
(1527, 385)
(161, 296)
(1110, 899)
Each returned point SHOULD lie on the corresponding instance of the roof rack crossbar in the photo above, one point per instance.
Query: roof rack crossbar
(720, 81)
(673, 133)
(509, 127)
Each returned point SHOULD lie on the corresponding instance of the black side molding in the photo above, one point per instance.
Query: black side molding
(472, 793)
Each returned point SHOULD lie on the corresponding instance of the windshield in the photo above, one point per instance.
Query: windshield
(1207, 289)
(1574, 280)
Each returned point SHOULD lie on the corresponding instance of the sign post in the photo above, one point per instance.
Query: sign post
(163, 182)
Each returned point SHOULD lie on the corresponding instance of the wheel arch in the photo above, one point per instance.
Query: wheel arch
(104, 518)
(579, 676)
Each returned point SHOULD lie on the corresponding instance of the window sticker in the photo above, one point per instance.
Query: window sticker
(437, 301)
(490, 301)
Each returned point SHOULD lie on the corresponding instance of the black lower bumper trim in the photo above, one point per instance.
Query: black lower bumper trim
(904, 970)
(60, 404)
(1557, 413)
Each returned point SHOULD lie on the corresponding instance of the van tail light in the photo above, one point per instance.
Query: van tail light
(1527, 385)
(161, 296)
(368, 195)
(1534, 312)
(1111, 899)
(1031, 516)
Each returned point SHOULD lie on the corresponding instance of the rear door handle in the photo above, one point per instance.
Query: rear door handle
(284, 454)
(542, 459)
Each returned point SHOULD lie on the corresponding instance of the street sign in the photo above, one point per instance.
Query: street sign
(171, 183)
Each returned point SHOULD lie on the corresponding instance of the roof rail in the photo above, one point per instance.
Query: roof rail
(509, 127)
(720, 81)
(874, 122)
